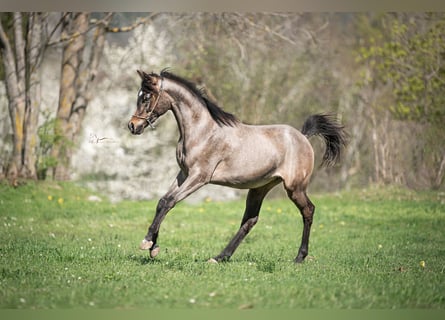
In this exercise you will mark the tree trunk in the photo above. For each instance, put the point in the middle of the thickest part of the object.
(22, 78)
(14, 65)
(440, 174)
(33, 95)
(76, 25)
(78, 72)
(87, 74)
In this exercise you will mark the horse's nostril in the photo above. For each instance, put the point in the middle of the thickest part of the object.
(131, 127)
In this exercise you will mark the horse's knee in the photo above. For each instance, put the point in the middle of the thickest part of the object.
(248, 225)
(308, 211)
(165, 204)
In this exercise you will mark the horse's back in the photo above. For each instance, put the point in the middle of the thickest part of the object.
(256, 155)
(283, 140)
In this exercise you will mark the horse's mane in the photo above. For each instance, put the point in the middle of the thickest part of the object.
(218, 114)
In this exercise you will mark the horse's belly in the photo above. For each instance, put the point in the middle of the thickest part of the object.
(245, 176)
(244, 184)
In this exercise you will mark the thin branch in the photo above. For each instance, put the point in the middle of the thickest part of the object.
(56, 27)
(71, 37)
(105, 21)
(138, 22)
(267, 29)
(4, 40)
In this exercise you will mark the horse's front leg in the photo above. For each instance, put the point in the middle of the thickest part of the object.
(179, 190)
(165, 204)
(149, 241)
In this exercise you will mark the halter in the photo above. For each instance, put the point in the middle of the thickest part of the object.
(154, 107)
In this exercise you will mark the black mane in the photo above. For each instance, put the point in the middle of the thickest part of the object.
(219, 115)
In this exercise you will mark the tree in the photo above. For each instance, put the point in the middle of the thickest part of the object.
(23, 40)
(21, 50)
(406, 59)
(75, 78)
(411, 60)
(84, 41)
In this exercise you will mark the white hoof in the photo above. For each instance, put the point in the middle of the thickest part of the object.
(211, 260)
(154, 252)
(146, 245)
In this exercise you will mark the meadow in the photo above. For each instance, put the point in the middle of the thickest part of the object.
(377, 248)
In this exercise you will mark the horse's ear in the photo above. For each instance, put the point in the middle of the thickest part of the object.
(141, 74)
(150, 80)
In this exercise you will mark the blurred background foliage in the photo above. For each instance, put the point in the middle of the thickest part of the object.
(383, 74)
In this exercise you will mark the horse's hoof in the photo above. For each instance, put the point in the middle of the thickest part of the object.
(154, 252)
(212, 260)
(146, 245)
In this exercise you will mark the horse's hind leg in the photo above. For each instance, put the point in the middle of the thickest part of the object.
(253, 205)
(307, 209)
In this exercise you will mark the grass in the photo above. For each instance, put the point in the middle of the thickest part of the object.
(374, 248)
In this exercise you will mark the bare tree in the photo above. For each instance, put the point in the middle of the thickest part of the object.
(23, 40)
(21, 55)
(71, 110)
(402, 57)
(84, 40)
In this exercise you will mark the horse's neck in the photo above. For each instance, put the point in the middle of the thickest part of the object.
(191, 116)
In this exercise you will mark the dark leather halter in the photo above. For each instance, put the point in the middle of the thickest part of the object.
(146, 118)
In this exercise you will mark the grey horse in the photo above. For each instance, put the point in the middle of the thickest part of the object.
(215, 147)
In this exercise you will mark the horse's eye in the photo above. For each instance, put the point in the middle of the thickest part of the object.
(144, 97)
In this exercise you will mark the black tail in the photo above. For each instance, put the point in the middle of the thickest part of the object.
(332, 132)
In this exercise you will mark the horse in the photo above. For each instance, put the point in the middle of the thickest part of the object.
(215, 147)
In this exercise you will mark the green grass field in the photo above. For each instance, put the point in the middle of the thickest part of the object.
(375, 248)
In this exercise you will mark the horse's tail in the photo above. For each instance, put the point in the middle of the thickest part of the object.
(332, 132)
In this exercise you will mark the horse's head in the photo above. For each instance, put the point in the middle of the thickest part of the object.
(152, 102)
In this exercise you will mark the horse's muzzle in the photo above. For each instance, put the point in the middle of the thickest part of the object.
(136, 128)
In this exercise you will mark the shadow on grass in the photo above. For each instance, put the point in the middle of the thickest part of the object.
(142, 260)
